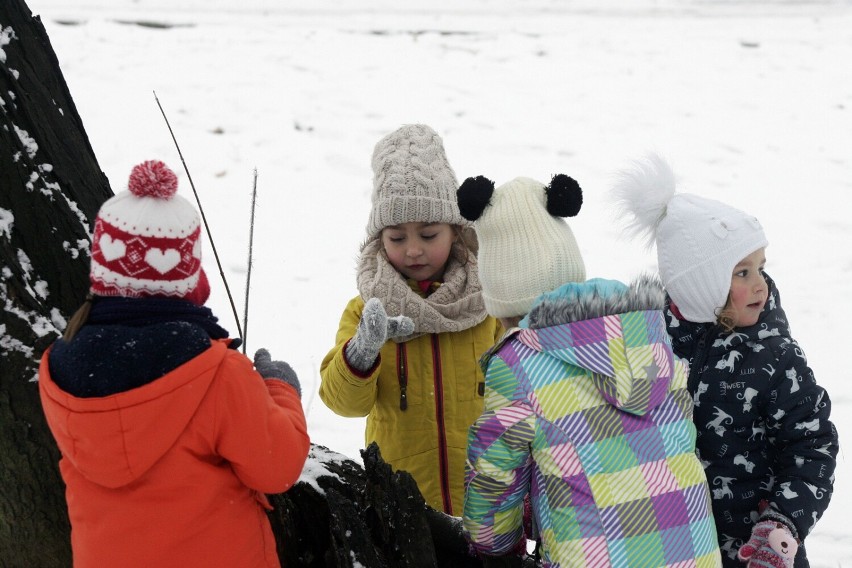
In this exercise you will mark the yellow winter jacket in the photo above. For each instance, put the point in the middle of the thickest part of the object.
(437, 379)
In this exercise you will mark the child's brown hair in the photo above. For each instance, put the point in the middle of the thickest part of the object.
(78, 320)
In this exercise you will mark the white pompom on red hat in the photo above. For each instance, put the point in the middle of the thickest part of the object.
(147, 241)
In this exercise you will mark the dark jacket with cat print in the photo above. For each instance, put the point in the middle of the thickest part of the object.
(764, 433)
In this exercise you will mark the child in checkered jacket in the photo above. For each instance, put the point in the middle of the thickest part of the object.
(586, 407)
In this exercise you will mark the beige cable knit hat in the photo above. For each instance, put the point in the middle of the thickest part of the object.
(412, 181)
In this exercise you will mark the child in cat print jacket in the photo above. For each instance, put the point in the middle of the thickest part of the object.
(763, 423)
(764, 434)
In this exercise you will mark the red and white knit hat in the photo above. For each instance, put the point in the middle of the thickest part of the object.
(147, 241)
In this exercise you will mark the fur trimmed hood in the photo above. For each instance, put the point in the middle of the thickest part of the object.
(595, 298)
(610, 332)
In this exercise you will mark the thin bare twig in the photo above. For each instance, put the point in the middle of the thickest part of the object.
(250, 261)
(203, 218)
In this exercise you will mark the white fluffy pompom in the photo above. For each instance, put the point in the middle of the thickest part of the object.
(641, 194)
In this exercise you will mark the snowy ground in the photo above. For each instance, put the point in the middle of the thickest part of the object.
(751, 101)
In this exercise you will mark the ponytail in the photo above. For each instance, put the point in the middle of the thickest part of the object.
(79, 319)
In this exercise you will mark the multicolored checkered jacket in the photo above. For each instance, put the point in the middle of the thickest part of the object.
(586, 410)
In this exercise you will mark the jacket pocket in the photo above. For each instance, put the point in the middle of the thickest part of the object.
(471, 382)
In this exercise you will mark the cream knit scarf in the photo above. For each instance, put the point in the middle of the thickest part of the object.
(455, 306)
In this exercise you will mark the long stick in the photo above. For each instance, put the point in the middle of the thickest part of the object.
(248, 272)
(203, 218)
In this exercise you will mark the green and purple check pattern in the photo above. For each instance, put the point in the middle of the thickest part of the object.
(594, 421)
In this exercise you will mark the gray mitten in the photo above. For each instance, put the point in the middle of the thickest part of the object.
(374, 329)
(279, 370)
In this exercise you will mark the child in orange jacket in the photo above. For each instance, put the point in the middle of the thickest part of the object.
(169, 437)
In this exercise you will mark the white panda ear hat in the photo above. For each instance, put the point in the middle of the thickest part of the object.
(525, 247)
(699, 241)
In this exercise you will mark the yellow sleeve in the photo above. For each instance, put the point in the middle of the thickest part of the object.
(345, 390)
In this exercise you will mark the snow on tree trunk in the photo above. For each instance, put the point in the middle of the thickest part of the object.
(50, 187)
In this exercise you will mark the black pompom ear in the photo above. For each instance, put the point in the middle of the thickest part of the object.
(564, 196)
(473, 196)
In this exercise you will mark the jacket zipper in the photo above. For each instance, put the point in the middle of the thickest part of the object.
(402, 375)
(701, 353)
(443, 460)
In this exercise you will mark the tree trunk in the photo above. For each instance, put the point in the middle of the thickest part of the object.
(50, 187)
(341, 513)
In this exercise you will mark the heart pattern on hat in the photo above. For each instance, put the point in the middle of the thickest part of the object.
(146, 241)
(112, 249)
(162, 260)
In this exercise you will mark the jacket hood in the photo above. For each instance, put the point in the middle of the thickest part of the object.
(614, 332)
(113, 440)
(595, 298)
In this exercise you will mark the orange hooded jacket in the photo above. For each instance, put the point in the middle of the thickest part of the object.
(173, 473)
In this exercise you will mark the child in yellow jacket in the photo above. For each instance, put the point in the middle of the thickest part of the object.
(407, 347)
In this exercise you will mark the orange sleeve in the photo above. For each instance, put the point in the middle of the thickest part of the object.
(260, 426)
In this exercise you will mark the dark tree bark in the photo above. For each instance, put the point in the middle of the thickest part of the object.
(50, 187)
(369, 514)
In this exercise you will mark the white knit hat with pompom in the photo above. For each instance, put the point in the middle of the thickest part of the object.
(699, 241)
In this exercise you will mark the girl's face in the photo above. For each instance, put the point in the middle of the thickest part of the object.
(419, 250)
(748, 289)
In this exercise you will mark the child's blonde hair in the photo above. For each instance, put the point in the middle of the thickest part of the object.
(467, 238)
(727, 317)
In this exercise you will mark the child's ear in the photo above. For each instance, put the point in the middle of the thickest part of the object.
(473, 196)
(564, 196)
